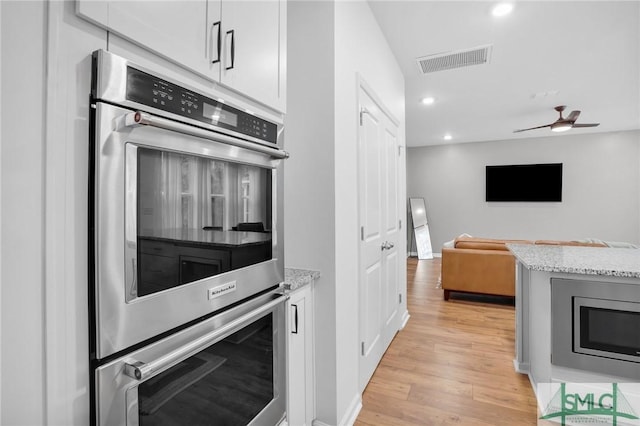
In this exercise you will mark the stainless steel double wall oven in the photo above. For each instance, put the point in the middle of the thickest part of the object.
(186, 259)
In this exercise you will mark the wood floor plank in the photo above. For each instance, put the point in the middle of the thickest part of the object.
(451, 364)
(505, 398)
(410, 413)
(388, 386)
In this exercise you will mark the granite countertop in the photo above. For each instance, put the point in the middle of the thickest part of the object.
(296, 278)
(616, 262)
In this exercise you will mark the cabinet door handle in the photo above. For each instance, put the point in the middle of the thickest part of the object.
(233, 49)
(295, 319)
(219, 40)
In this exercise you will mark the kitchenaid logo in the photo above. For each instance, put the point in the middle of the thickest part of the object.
(221, 290)
(590, 403)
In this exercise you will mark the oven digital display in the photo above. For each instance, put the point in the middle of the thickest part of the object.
(218, 115)
(161, 94)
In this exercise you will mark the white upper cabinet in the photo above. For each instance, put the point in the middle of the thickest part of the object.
(240, 44)
(176, 30)
(252, 52)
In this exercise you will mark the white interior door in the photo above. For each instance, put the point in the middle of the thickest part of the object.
(379, 261)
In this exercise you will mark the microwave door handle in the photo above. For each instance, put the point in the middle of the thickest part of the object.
(142, 118)
(142, 371)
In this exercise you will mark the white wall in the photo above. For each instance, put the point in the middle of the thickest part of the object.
(600, 194)
(309, 176)
(361, 49)
(22, 213)
(329, 44)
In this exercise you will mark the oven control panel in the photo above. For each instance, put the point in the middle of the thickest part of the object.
(158, 93)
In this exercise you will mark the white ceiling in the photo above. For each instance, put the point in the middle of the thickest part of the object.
(587, 51)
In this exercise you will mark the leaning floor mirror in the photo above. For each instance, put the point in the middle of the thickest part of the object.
(421, 235)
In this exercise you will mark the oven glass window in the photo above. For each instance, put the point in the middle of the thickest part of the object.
(610, 330)
(228, 383)
(198, 217)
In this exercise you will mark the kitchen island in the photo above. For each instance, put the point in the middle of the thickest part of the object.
(554, 285)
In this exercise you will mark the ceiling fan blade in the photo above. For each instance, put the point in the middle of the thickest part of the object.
(573, 116)
(585, 124)
(531, 128)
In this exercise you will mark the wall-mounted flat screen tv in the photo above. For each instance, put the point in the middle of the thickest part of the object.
(524, 182)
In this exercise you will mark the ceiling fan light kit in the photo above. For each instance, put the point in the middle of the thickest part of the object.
(560, 127)
(562, 124)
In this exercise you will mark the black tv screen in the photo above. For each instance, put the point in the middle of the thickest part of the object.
(524, 182)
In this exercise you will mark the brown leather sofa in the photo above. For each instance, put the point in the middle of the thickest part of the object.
(485, 266)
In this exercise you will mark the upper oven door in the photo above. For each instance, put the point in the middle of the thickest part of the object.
(184, 225)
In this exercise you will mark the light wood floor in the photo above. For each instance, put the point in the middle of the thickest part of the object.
(451, 364)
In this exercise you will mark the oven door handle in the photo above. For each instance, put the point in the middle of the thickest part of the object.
(139, 117)
(142, 371)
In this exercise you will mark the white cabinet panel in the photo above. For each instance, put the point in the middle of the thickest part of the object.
(300, 406)
(252, 66)
(178, 31)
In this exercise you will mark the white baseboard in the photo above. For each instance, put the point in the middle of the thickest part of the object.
(415, 254)
(350, 415)
(405, 319)
(521, 367)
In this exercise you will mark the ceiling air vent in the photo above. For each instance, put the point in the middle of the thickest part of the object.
(449, 60)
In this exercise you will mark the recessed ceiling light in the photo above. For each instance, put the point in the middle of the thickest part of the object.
(448, 137)
(502, 9)
(428, 100)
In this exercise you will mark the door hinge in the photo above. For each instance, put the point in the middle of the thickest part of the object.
(363, 111)
(400, 298)
(362, 233)
(362, 348)
(399, 150)
(400, 224)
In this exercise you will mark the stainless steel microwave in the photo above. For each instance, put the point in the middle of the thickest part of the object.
(596, 326)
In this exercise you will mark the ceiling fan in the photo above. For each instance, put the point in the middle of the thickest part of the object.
(562, 124)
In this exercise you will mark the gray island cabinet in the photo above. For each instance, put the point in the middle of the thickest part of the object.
(577, 313)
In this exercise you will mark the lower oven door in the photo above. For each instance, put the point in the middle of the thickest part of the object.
(226, 370)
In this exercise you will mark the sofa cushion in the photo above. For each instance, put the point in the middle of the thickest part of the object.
(569, 243)
(485, 243)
